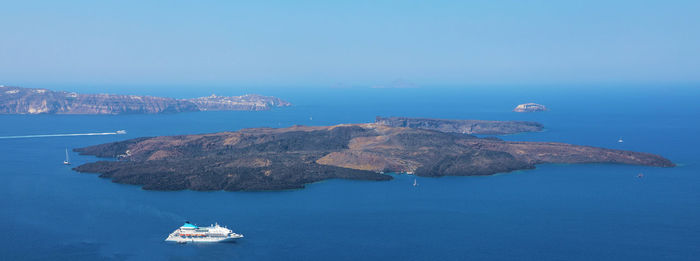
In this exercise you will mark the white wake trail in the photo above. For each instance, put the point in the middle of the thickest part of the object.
(59, 135)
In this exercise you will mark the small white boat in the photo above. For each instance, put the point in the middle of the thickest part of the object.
(121, 132)
(67, 161)
(620, 140)
(415, 182)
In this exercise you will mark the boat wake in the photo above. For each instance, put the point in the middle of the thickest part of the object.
(63, 135)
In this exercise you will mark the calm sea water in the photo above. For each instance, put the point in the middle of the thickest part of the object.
(555, 212)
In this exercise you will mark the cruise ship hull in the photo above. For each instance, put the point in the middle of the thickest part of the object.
(190, 233)
(177, 239)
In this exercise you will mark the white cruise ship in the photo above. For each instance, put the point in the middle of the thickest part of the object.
(191, 233)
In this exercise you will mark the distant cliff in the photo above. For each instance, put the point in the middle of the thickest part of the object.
(462, 126)
(16, 100)
(271, 159)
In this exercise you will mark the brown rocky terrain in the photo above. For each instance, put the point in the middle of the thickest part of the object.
(270, 159)
(16, 100)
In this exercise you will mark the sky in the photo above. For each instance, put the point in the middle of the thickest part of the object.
(348, 43)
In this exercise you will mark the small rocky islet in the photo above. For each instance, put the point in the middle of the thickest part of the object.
(529, 107)
(289, 158)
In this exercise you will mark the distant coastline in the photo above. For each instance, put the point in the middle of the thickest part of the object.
(18, 100)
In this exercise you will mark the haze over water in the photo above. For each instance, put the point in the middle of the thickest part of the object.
(605, 69)
(555, 212)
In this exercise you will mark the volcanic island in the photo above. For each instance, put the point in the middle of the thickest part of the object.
(288, 158)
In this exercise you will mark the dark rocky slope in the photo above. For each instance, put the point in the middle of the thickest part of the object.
(462, 126)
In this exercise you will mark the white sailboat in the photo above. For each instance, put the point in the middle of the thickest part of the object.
(67, 161)
(415, 182)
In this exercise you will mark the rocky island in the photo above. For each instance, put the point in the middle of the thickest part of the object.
(288, 158)
(530, 107)
(16, 100)
(462, 126)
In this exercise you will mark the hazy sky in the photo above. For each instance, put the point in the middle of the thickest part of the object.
(326, 43)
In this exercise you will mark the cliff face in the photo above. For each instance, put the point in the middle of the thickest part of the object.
(15, 100)
(462, 126)
(251, 102)
(268, 159)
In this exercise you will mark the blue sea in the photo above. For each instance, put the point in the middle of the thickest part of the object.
(553, 212)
